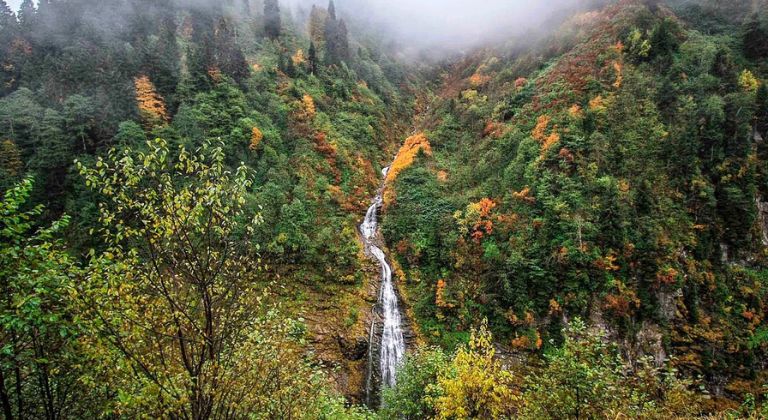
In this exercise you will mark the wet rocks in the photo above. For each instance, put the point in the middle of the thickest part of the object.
(353, 349)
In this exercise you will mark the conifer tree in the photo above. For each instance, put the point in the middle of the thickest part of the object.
(755, 38)
(342, 41)
(26, 13)
(8, 31)
(316, 26)
(331, 11)
(229, 58)
(761, 110)
(272, 23)
(336, 42)
(7, 18)
(312, 58)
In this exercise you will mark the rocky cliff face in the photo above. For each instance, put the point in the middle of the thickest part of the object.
(762, 217)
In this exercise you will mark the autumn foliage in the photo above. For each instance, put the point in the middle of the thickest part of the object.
(256, 137)
(407, 154)
(440, 296)
(540, 134)
(151, 104)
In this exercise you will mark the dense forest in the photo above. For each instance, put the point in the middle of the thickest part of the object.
(575, 218)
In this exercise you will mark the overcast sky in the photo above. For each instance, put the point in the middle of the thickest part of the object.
(457, 20)
(14, 4)
(451, 22)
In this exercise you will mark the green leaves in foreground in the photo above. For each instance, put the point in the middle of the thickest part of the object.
(41, 358)
(184, 327)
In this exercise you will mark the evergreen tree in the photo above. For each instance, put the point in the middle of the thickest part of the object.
(290, 68)
(7, 18)
(331, 11)
(316, 27)
(26, 14)
(165, 66)
(755, 38)
(724, 68)
(336, 38)
(272, 24)
(342, 41)
(229, 58)
(8, 31)
(11, 164)
(312, 59)
(664, 39)
(761, 110)
(201, 54)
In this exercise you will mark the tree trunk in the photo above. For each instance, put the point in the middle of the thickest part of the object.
(4, 399)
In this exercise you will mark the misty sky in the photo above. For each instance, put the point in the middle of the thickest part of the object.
(441, 22)
(457, 21)
(14, 4)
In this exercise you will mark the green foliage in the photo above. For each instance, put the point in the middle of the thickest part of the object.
(177, 227)
(622, 168)
(272, 21)
(412, 397)
(586, 378)
(41, 354)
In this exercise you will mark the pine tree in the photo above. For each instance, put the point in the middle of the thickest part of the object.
(331, 11)
(8, 31)
(664, 39)
(7, 18)
(272, 18)
(336, 42)
(201, 54)
(26, 13)
(167, 73)
(290, 68)
(312, 58)
(755, 38)
(316, 27)
(229, 58)
(761, 110)
(342, 41)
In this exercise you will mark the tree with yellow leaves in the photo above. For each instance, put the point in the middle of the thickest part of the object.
(309, 106)
(256, 137)
(151, 104)
(407, 153)
(10, 159)
(748, 82)
(475, 386)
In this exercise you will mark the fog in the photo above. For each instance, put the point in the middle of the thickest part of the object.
(439, 27)
(435, 24)
(456, 23)
(14, 4)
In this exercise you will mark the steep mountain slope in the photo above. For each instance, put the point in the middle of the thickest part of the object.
(610, 172)
(183, 182)
(309, 110)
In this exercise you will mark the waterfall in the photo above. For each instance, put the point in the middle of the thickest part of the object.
(392, 347)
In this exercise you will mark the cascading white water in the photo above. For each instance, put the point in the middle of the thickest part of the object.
(392, 349)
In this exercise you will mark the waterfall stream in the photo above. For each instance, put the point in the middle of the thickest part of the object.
(392, 347)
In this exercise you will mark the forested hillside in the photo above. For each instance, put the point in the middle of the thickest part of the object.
(576, 218)
(160, 260)
(616, 172)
